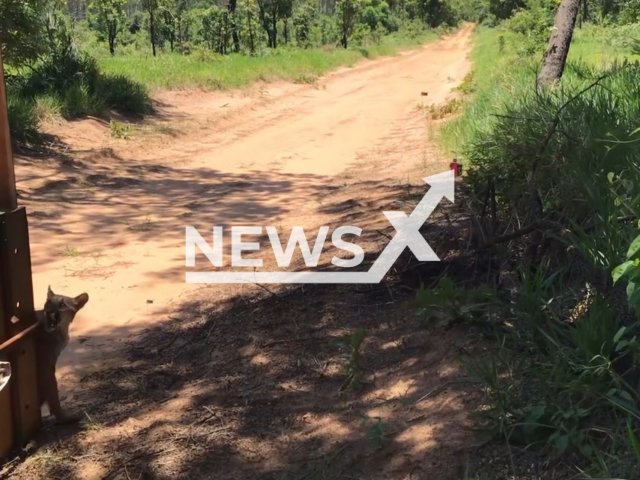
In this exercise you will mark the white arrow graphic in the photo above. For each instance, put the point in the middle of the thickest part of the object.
(407, 235)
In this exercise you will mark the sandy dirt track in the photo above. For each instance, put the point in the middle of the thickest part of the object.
(108, 216)
(253, 161)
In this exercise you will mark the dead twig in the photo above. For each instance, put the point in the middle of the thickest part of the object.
(286, 340)
(439, 389)
(139, 456)
(188, 436)
(268, 290)
(104, 122)
(504, 238)
(439, 359)
(318, 457)
(206, 340)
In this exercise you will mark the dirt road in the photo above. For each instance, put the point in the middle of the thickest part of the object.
(109, 216)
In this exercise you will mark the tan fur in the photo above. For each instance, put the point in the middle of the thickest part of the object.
(52, 337)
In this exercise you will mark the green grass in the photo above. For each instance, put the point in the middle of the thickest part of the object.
(501, 74)
(492, 80)
(23, 119)
(208, 70)
(599, 45)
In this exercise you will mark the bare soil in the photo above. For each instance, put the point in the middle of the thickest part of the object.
(248, 381)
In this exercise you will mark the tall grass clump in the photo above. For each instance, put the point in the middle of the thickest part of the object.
(75, 79)
(23, 120)
(68, 83)
(564, 386)
(582, 173)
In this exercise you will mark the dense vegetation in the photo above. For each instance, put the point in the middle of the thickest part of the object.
(562, 167)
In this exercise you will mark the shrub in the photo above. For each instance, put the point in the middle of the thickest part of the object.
(123, 95)
(23, 123)
(573, 170)
(69, 83)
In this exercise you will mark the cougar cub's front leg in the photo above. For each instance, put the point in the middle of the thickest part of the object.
(52, 397)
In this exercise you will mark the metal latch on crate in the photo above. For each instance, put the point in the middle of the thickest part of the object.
(5, 374)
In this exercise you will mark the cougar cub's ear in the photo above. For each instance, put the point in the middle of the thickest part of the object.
(81, 300)
(50, 293)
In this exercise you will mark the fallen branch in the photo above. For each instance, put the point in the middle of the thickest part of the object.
(508, 237)
(496, 241)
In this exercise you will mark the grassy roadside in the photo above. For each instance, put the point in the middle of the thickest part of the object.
(500, 74)
(562, 380)
(207, 70)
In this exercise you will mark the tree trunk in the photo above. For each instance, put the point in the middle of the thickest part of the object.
(556, 55)
(269, 24)
(274, 30)
(112, 39)
(252, 48)
(234, 25)
(152, 31)
(286, 31)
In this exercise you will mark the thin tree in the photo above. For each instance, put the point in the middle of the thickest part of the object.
(110, 18)
(268, 11)
(231, 7)
(152, 6)
(555, 57)
(347, 12)
(252, 47)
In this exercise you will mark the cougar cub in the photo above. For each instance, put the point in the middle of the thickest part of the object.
(52, 336)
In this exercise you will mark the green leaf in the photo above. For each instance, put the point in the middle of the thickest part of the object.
(610, 177)
(582, 412)
(634, 440)
(634, 248)
(619, 334)
(628, 185)
(531, 423)
(626, 395)
(628, 407)
(562, 442)
(633, 293)
(537, 412)
(622, 270)
(623, 344)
